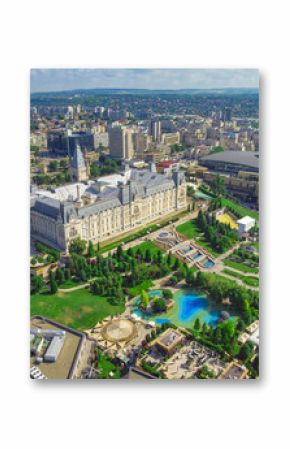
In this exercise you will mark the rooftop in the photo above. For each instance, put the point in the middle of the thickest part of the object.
(68, 355)
(246, 220)
(246, 158)
(104, 193)
(169, 339)
(234, 371)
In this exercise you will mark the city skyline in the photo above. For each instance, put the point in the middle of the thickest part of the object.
(144, 223)
(52, 80)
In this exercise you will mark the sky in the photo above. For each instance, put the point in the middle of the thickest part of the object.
(49, 80)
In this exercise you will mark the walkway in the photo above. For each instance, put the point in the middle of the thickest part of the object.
(78, 287)
(239, 281)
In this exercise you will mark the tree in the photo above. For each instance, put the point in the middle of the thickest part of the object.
(167, 293)
(53, 166)
(246, 311)
(174, 280)
(159, 305)
(63, 163)
(91, 249)
(59, 276)
(228, 329)
(159, 257)
(77, 246)
(148, 255)
(176, 265)
(196, 325)
(246, 351)
(144, 299)
(119, 252)
(33, 261)
(217, 335)
(218, 185)
(50, 258)
(53, 286)
(36, 284)
(95, 170)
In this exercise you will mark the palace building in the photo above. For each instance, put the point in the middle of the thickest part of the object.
(101, 209)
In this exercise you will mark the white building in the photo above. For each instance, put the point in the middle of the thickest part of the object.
(245, 224)
(102, 209)
(54, 349)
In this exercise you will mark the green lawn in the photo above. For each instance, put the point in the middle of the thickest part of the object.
(79, 309)
(240, 210)
(144, 247)
(190, 230)
(240, 266)
(134, 291)
(255, 245)
(106, 367)
(70, 283)
(249, 280)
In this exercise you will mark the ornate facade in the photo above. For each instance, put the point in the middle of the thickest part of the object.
(103, 209)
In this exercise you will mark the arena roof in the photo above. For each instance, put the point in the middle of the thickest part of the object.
(246, 158)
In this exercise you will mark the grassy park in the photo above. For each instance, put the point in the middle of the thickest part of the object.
(71, 283)
(143, 247)
(249, 280)
(240, 266)
(79, 309)
(190, 230)
(106, 368)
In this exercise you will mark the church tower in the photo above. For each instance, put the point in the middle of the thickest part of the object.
(78, 168)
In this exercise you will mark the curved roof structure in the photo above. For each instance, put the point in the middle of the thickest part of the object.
(246, 159)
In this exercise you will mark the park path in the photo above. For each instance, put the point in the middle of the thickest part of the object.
(239, 281)
(77, 287)
(229, 252)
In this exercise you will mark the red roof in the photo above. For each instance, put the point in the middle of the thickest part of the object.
(166, 164)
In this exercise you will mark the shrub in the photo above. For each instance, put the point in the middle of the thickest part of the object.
(167, 293)
(159, 305)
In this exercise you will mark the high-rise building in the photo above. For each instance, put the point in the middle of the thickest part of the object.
(140, 142)
(70, 112)
(121, 143)
(171, 138)
(64, 142)
(227, 116)
(155, 130)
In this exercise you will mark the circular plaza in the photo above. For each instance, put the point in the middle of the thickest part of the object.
(119, 330)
